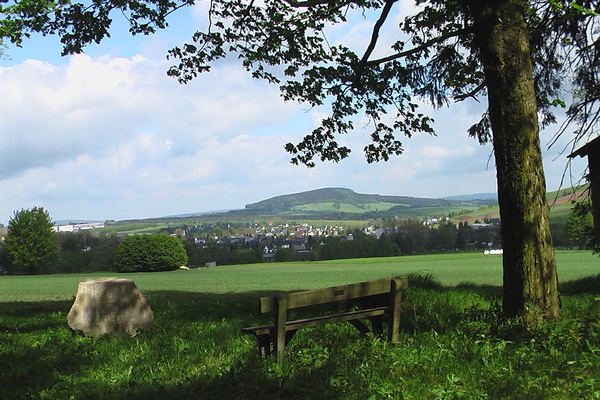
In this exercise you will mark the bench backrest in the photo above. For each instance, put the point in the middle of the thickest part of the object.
(333, 294)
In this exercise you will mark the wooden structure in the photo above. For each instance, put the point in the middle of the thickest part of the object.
(377, 301)
(592, 151)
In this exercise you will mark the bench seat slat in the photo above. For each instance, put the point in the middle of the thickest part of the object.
(322, 320)
(327, 295)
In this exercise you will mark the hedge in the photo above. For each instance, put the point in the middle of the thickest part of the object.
(150, 253)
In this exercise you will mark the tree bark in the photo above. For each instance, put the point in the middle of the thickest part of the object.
(530, 278)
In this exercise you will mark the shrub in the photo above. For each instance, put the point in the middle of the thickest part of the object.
(149, 253)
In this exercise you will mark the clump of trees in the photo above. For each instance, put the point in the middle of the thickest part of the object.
(150, 253)
(415, 238)
(86, 251)
(360, 246)
(198, 256)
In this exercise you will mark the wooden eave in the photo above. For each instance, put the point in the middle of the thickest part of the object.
(589, 148)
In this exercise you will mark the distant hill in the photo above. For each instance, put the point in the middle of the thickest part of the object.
(337, 204)
(339, 197)
(475, 196)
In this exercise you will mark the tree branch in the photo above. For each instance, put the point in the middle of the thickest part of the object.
(310, 3)
(374, 37)
(472, 93)
(417, 49)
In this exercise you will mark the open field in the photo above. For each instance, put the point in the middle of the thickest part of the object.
(559, 213)
(448, 269)
(454, 345)
(348, 208)
(560, 207)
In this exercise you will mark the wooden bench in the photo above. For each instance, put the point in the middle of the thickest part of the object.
(377, 301)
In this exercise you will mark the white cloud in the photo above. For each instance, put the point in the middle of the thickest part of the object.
(120, 122)
(439, 152)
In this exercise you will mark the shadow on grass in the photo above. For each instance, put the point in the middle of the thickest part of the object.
(30, 317)
(196, 349)
(41, 358)
(589, 284)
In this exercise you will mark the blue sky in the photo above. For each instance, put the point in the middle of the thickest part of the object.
(107, 135)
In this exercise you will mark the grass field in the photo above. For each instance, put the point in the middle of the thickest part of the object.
(448, 269)
(347, 208)
(560, 207)
(454, 344)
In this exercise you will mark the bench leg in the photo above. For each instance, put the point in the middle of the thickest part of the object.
(362, 328)
(264, 346)
(377, 326)
(280, 321)
(288, 336)
(265, 343)
(395, 300)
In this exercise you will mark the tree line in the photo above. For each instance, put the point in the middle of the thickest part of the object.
(32, 246)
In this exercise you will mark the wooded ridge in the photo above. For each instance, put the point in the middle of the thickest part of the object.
(348, 196)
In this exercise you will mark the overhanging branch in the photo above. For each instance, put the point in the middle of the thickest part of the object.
(311, 3)
(473, 93)
(422, 47)
(374, 38)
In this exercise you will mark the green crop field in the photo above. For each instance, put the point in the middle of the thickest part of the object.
(449, 269)
(560, 212)
(347, 208)
(454, 341)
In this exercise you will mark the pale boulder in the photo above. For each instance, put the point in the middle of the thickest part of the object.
(109, 306)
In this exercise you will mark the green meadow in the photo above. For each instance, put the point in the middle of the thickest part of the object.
(348, 208)
(454, 343)
(448, 269)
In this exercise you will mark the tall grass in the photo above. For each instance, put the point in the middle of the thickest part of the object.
(454, 345)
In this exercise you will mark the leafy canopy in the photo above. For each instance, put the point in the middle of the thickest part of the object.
(31, 242)
(81, 23)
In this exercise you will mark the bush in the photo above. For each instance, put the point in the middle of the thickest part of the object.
(150, 253)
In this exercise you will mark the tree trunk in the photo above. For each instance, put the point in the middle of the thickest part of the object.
(530, 279)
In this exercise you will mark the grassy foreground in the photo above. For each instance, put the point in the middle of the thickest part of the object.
(453, 345)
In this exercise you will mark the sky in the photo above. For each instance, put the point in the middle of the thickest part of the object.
(108, 135)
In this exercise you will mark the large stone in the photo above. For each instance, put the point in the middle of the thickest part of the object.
(109, 306)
